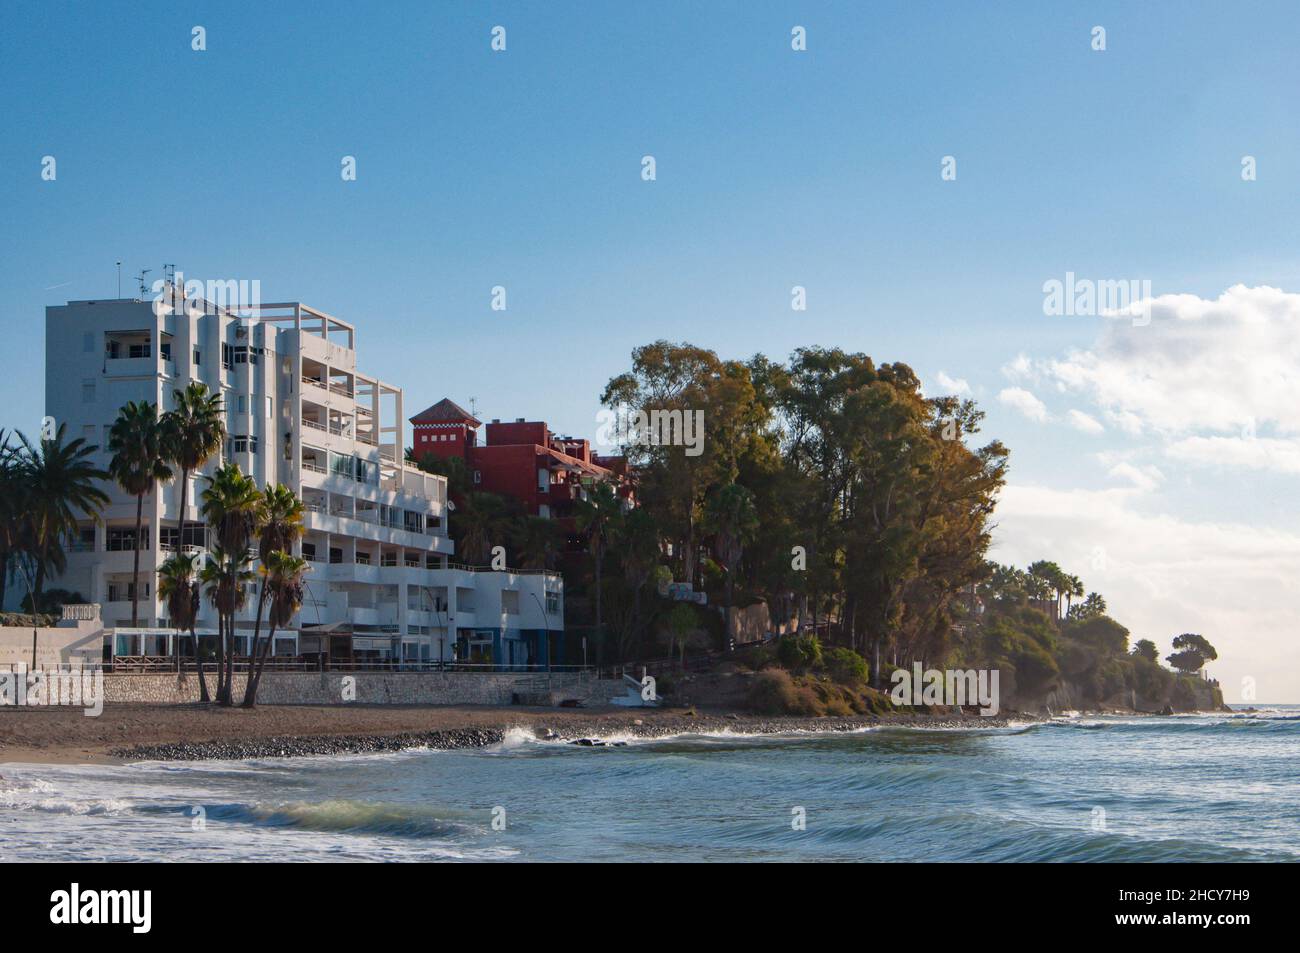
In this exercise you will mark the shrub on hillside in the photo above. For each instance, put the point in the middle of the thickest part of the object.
(773, 693)
(799, 652)
(847, 666)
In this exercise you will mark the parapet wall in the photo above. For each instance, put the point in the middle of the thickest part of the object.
(365, 688)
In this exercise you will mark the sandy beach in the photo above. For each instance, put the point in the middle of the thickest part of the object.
(66, 736)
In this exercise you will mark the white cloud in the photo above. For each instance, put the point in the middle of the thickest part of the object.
(1022, 368)
(1253, 453)
(1085, 422)
(1236, 584)
(1200, 366)
(957, 386)
(1026, 403)
(1142, 478)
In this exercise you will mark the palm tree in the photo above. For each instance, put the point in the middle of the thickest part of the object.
(538, 542)
(480, 518)
(730, 515)
(279, 528)
(12, 492)
(138, 464)
(225, 578)
(282, 575)
(61, 483)
(1075, 591)
(178, 588)
(596, 513)
(232, 506)
(192, 434)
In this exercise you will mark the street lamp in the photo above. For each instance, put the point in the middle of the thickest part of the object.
(546, 622)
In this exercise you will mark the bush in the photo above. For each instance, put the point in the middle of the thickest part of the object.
(773, 693)
(847, 667)
(799, 652)
(756, 659)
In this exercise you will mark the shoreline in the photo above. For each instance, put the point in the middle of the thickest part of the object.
(128, 733)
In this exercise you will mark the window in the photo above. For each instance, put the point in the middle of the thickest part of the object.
(363, 559)
(413, 522)
(309, 552)
(388, 558)
(227, 356)
(243, 444)
(432, 561)
(478, 476)
(125, 592)
(83, 540)
(88, 392)
(198, 358)
(510, 602)
(243, 404)
(165, 349)
(336, 554)
(367, 472)
(195, 535)
(543, 479)
(139, 350)
(342, 465)
(552, 602)
(123, 540)
(432, 523)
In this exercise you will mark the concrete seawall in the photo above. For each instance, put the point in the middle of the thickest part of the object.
(366, 688)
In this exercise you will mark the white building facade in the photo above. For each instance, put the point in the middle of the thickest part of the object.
(383, 584)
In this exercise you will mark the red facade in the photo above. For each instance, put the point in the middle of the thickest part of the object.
(523, 460)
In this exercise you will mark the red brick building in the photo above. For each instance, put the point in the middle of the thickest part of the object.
(523, 459)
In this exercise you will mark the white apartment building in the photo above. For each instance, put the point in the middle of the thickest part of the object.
(298, 411)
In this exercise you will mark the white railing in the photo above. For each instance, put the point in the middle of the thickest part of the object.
(81, 612)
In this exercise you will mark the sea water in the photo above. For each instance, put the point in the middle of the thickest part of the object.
(1080, 788)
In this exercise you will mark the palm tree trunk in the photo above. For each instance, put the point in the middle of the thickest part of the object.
(221, 657)
(180, 547)
(198, 664)
(255, 678)
(135, 572)
(230, 661)
(40, 580)
(250, 685)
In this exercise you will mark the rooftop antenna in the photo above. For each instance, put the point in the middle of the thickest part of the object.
(473, 406)
(143, 272)
(119, 279)
(169, 274)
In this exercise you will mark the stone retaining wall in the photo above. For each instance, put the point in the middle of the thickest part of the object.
(373, 688)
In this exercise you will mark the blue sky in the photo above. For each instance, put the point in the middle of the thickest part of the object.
(774, 169)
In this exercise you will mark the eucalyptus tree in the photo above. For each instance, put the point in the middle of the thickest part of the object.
(729, 514)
